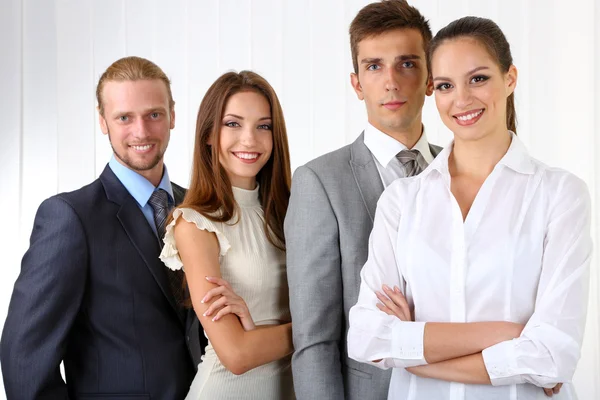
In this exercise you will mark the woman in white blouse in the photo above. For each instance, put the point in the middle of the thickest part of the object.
(485, 254)
(228, 236)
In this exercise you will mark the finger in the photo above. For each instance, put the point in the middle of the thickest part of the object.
(385, 309)
(217, 304)
(218, 281)
(556, 389)
(548, 392)
(222, 312)
(219, 290)
(399, 300)
(397, 311)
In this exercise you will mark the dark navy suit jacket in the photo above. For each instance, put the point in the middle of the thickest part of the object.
(93, 293)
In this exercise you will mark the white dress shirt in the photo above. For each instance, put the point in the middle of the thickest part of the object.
(384, 149)
(521, 255)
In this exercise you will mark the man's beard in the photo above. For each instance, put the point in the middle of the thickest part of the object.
(136, 166)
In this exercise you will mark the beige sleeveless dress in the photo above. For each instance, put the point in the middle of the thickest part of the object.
(256, 271)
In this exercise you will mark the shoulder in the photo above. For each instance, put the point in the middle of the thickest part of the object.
(77, 201)
(563, 187)
(328, 170)
(334, 159)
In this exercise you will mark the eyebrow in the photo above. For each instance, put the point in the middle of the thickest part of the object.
(242, 118)
(471, 72)
(403, 57)
(118, 113)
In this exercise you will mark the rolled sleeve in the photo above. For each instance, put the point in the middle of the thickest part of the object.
(549, 348)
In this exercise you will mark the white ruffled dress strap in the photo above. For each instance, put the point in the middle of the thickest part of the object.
(169, 255)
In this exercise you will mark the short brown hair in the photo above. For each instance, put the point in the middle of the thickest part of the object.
(132, 69)
(386, 15)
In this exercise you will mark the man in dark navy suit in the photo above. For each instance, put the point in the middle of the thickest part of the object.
(92, 292)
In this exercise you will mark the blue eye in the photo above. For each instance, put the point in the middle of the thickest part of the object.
(123, 118)
(154, 115)
(408, 64)
(373, 67)
(232, 124)
(265, 127)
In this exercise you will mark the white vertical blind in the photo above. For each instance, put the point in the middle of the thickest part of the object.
(55, 50)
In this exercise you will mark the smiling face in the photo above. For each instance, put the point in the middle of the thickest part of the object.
(246, 139)
(138, 121)
(470, 89)
(392, 80)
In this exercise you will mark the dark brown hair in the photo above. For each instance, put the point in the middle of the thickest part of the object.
(132, 69)
(386, 15)
(489, 34)
(210, 190)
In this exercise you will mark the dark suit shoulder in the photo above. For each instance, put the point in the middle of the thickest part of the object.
(82, 197)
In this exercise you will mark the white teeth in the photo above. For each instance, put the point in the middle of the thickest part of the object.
(142, 148)
(469, 117)
(247, 156)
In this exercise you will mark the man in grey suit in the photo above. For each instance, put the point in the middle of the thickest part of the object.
(333, 200)
(92, 291)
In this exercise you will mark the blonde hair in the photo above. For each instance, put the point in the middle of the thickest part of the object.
(132, 69)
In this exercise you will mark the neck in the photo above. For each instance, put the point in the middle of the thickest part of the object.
(153, 175)
(477, 158)
(408, 137)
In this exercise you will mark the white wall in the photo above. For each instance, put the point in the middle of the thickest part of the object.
(53, 52)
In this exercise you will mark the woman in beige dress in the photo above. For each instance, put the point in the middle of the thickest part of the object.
(227, 235)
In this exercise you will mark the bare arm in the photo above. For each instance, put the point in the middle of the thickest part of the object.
(238, 350)
(446, 340)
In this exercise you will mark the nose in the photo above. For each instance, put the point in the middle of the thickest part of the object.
(391, 81)
(140, 129)
(463, 97)
(248, 137)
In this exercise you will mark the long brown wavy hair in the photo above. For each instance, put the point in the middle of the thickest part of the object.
(210, 190)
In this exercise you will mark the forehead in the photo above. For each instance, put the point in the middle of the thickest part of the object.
(135, 95)
(394, 42)
(248, 102)
(460, 55)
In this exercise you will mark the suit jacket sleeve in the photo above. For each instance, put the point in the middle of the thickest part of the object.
(315, 281)
(45, 301)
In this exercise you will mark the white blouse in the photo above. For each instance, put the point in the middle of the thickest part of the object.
(522, 255)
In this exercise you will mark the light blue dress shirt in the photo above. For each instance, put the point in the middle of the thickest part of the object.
(141, 189)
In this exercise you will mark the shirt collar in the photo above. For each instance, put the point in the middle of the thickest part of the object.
(384, 147)
(139, 187)
(516, 158)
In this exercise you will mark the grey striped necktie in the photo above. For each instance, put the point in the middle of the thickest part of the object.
(413, 161)
(159, 201)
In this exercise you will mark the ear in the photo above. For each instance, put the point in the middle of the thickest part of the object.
(511, 80)
(172, 112)
(356, 86)
(103, 124)
(429, 89)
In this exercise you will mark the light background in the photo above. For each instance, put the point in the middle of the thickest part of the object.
(52, 53)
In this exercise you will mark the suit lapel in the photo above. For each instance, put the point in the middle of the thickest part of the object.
(366, 174)
(141, 235)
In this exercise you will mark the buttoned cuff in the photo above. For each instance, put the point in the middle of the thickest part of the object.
(501, 364)
(407, 344)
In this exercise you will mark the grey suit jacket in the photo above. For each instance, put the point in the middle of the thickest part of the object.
(327, 228)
